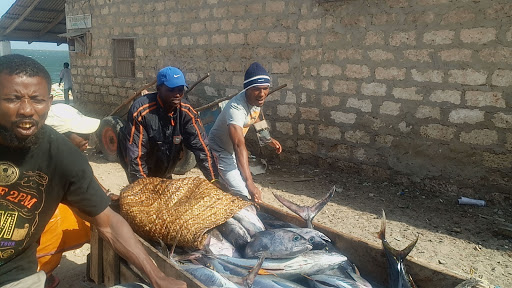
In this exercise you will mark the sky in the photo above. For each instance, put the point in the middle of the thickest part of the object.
(4, 6)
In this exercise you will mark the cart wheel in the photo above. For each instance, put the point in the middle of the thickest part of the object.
(107, 137)
(186, 163)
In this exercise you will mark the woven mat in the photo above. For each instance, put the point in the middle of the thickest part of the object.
(183, 209)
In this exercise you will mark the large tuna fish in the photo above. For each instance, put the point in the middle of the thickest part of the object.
(317, 239)
(249, 220)
(398, 276)
(331, 281)
(308, 263)
(235, 233)
(277, 243)
(207, 276)
(307, 213)
(216, 244)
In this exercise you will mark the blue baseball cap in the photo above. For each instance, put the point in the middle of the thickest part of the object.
(171, 77)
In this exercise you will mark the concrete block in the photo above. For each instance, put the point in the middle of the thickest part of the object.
(427, 75)
(403, 38)
(428, 112)
(391, 73)
(467, 77)
(284, 127)
(309, 113)
(481, 99)
(329, 70)
(380, 55)
(478, 35)
(329, 132)
(502, 120)
(363, 105)
(341, 117)
(502, 78)
(287, 111)
(457, 54)
(373, 89)
(390, 108)
(374, 37)
(348, 87)
(357, 71)
(440, 37)
(469, 116)
(407, 93)
(357, 136)
(451, 96)
(479, 137)
(437, 131)
(422, 55)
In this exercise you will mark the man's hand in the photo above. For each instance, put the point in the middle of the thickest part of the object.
(274, 143)
(255, 192)
(168, 282)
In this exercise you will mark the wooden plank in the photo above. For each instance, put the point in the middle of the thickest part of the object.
(128, 275)
(110, 265)
(170, 268)
(96, 259)
(369, 257)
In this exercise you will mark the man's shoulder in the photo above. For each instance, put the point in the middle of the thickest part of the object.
(144, 100)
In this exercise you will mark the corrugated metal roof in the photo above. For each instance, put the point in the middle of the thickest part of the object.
(34, 21)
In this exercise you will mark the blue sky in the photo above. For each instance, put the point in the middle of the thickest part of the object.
(4, 6)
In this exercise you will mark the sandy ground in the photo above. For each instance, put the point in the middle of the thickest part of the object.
(457, 237)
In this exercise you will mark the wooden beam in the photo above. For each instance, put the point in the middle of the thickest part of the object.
(51, 25)
(23, 16)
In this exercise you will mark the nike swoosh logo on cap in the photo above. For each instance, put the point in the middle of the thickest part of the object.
(176, 76)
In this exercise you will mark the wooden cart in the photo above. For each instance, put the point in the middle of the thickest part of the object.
(105, 266)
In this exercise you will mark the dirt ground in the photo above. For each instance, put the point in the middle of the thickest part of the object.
(461, 238)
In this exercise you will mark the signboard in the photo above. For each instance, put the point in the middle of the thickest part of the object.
(78, 21)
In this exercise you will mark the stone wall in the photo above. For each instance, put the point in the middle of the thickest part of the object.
(420, 88)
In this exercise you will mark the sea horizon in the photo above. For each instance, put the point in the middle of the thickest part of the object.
(52, 60)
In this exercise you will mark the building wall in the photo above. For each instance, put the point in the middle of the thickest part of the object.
(420, 88)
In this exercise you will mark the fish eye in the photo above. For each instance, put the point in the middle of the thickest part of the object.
(296, 238)
(311, 239)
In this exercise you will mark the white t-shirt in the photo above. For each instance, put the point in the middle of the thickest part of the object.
(237, 111)
(65, 75)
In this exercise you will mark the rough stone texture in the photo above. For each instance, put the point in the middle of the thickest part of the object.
(423, 73)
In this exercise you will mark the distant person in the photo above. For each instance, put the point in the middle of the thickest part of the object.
(65, 75)
(227, 136)
(159, 125)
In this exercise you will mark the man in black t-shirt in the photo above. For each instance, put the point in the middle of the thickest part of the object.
(40, 168)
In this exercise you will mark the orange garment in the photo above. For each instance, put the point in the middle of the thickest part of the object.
(64, 232)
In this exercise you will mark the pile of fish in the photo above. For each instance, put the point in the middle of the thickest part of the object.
(253, 249)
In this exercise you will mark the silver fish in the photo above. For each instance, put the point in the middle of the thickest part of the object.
(331, 281)
(235, 233)
(277, 243)
(248, 218)
(207, 276)
(308, 263)
(307, 212)
(216, 244)
(272, 222)
(398, 276)
(316, 238)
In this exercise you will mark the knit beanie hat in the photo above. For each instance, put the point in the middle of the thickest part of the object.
(256, 75)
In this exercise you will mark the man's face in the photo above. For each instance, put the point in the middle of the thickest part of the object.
(256, 95)
(171, 97)
(24, 105)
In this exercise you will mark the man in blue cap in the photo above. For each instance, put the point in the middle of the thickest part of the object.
(159, 125)
(227, 136)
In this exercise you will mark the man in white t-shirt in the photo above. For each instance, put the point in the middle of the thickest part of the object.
(227, 136)
(65, 75)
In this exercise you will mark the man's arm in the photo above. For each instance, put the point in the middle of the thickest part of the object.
(196, 141)
(242, 160)
(113, 228)
(136, 143)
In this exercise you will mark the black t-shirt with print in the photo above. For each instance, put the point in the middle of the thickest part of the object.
(32, 184)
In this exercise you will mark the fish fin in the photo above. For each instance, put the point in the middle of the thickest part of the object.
(165, 249)
(382, 233)
(318, 206)
(265, 272)
(297, 209)
(249, 279)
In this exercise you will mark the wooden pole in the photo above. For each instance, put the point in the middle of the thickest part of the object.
(216, 102)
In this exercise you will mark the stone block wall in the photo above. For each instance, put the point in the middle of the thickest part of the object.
(420, 88)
